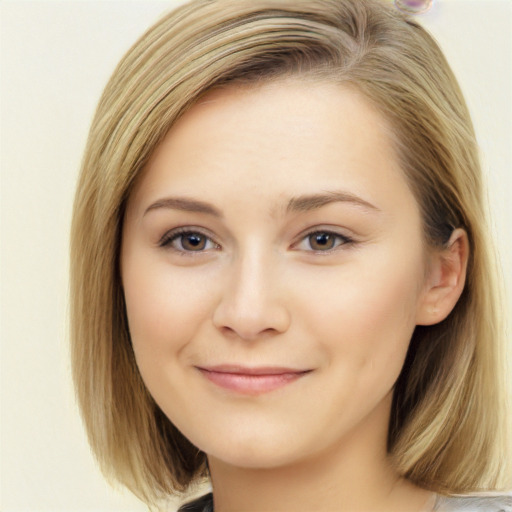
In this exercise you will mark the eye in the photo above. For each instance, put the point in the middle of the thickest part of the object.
(322, 241)
(186, 240)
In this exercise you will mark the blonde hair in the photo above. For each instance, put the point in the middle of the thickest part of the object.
(448, 424)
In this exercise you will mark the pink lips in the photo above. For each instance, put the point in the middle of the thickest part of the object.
(251, 381)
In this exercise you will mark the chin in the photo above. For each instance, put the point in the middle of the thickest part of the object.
(253, 458)
(256, 451)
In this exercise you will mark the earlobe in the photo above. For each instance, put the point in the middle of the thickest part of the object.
(445, 281)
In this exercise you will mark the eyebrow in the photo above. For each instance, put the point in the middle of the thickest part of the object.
(186, 205)
(314, 201)
(302, 203)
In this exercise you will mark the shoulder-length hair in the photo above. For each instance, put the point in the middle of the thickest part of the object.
(447, 430)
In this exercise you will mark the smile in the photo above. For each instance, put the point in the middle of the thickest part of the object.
(251, 381)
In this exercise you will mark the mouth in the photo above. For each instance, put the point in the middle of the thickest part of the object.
(251, 380)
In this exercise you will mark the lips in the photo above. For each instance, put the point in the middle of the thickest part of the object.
(251, 380)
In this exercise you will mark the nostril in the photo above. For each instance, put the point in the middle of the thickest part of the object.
(227, 331)
(251, 325)
(247, 333)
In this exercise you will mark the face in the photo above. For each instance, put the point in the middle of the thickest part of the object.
(273, 269)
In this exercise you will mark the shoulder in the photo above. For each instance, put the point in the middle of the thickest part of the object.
(501, 503)
(202, 504)
(494, 503)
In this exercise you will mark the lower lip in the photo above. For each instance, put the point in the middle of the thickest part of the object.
(248, 384)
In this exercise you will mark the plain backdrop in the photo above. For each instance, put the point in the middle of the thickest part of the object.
(56, 56)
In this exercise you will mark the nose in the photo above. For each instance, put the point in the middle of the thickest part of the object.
(252, 304)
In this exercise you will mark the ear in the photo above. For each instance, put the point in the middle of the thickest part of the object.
(445, 280)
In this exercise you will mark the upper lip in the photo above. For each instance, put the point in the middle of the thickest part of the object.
(252, 370)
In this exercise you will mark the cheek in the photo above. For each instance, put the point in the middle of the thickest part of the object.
(367, 318)
(367, 294)
(164, 308)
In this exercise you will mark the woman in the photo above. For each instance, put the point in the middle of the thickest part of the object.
(281, 276)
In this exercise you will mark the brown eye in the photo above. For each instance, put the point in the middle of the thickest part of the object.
(322, 241)
(192, 241)
(188, 241)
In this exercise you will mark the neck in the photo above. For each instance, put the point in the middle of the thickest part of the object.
(354, 476)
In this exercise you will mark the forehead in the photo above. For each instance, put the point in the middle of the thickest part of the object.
(286, 117)
(273, 141)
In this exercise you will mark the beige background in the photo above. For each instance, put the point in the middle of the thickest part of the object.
(55, 58)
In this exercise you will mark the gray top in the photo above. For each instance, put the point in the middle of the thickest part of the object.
(443, 504)
(474, 504)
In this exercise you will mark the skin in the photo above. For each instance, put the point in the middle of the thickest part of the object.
(254, 288)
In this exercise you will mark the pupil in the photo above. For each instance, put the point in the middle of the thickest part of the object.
(193, 241)
(321, 241)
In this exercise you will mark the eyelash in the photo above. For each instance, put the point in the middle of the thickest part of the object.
(171, 236)
(342, 239)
